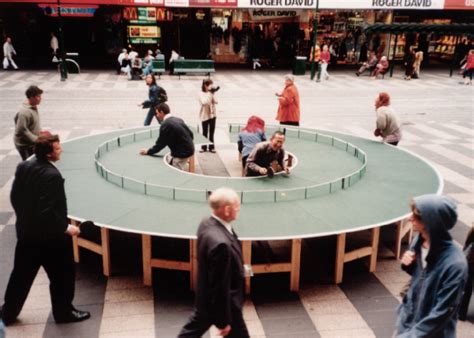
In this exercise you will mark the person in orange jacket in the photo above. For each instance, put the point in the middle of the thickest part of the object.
(289, 103)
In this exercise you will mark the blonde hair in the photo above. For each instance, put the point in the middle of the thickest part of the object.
(222, 197)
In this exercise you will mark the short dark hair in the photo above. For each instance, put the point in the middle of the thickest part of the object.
(33, 91)
(205, 83)
(44, 145)
(278, 133)
(163, 107)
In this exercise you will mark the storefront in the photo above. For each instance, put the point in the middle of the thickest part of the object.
(229, 31)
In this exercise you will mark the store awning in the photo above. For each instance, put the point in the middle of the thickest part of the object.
(406, 28)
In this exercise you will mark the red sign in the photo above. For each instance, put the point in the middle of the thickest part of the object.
(459, 4)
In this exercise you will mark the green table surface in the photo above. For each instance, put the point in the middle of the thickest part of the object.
(393, 176)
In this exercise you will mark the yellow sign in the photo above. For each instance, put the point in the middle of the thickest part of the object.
(144, 32)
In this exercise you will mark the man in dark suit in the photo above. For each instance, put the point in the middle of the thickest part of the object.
(175, 134)
(44, 235)
(220, 286)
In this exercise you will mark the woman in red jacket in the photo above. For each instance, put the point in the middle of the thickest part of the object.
(289, 103)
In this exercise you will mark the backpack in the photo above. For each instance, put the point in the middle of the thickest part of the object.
(162, 96)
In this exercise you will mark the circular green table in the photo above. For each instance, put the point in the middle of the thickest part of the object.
(338, 184)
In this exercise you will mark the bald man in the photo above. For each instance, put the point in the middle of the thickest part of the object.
(220, 286)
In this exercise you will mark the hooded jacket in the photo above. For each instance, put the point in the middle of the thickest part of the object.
(430, 306)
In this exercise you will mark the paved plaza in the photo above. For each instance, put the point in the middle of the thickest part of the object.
(438, 124)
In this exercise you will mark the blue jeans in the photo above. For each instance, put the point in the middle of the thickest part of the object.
(149, 117)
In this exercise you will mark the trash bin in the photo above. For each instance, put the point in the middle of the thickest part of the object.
(300, 66)
(72, 63)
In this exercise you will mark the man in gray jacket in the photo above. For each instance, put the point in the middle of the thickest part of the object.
(27, 124)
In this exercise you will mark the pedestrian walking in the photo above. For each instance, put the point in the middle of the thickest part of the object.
(468, 68)
(207, 113)
(220, 284)
(315, 54)
(27, 123)
(156, 95)
(8, 52)
(438, 270)
(469, 252)
(325, 59)
(289, 103)
(409, 63)
(417, 64)
(44, 236)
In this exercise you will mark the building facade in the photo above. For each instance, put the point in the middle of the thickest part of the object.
(228, 31)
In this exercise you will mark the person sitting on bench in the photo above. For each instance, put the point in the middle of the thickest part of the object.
(381, 68)
(369, 65)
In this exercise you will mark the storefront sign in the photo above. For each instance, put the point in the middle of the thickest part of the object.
(143, 34)
(177, 3)
(146, 14)
(267, 15)
(264, 4)
(382, 4)
(69, 10)
(213, 3)
(144, 31)
(459, 4)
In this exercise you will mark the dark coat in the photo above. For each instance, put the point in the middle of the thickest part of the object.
(175, 134)
(220, 288)
(39, 201)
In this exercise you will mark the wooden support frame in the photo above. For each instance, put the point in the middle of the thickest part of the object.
(192, 164)
(293, 266)
(149, 262)
(343, 257)
(404, 227)
(102, 249)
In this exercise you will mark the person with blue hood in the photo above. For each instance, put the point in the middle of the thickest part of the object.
(438, 268)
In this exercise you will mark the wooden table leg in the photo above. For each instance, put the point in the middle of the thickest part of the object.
(192, 164)
(340, 252)
(105, 239)
(295, 264)
(247, 255)
(75, 243)
(146, 255)
(194, 264)
(375, 248)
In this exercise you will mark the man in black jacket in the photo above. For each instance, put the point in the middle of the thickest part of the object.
(44, 235)
(220, 286)
(175, 134)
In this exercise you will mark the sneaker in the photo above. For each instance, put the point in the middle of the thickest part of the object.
(357, 73)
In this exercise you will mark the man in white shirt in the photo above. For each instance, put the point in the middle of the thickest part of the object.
(8, 52)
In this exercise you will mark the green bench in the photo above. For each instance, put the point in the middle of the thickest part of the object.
(158, 67)
(184, 66)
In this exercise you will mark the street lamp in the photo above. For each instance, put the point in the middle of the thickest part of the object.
(315, 33)
(62, 53)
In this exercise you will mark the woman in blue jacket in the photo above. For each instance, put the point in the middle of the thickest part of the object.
(439, 272)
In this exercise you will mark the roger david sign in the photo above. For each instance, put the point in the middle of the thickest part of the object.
(277, 4)
(402, 3)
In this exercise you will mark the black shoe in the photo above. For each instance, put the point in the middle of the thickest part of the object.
(6, 321)
(73, 316)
